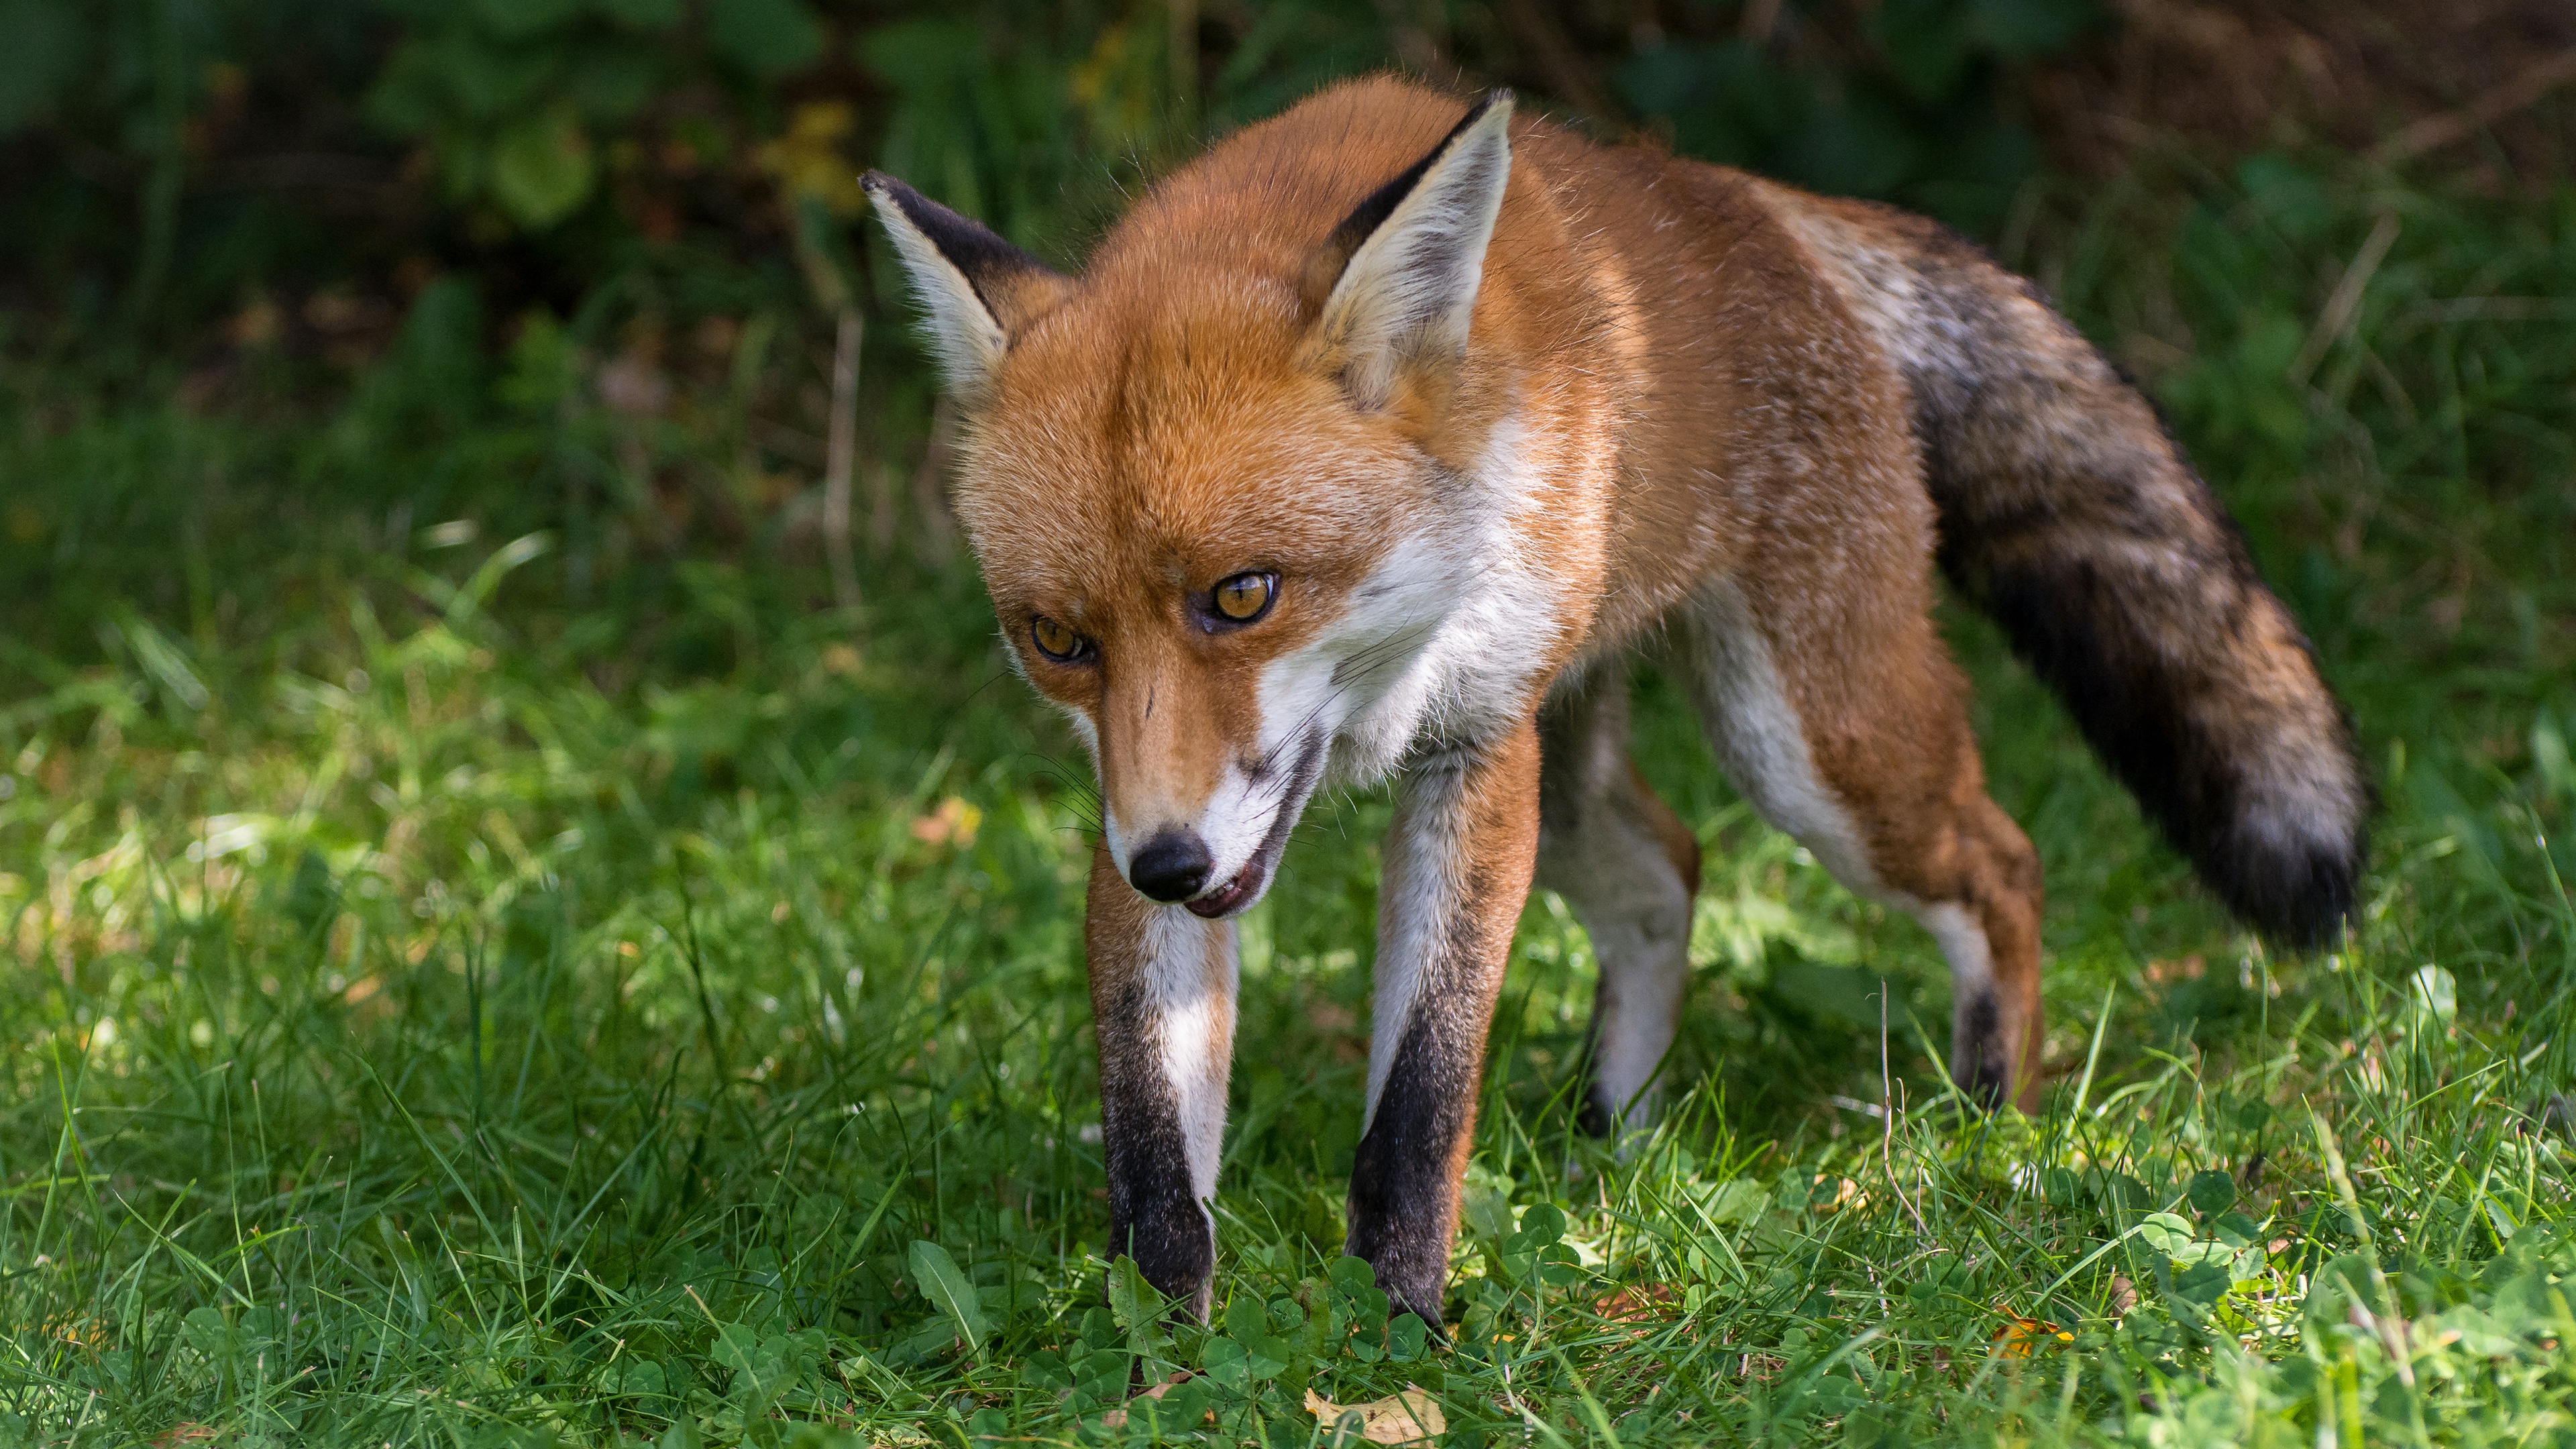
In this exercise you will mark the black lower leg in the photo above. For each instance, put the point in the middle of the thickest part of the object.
(1404, 1184)
(1153, 1216)
(1981, 1062)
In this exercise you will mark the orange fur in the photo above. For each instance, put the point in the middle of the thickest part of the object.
(1499, 409)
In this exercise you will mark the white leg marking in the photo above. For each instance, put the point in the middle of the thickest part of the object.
(1761, 742)
(1638, 915)
(1190, 985)
(1963, 945)
(1416, 910)
(1599, 849)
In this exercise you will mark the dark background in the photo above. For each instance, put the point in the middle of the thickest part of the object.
(529, 244)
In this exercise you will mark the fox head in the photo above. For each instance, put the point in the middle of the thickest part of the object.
(1217, 484)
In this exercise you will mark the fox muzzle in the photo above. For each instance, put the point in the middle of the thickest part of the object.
(1172, 866)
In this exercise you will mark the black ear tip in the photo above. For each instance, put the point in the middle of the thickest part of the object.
(893, 191)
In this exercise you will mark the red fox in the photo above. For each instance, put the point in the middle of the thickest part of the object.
(1378, 441)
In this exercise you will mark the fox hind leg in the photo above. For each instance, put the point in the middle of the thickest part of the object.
(1864, 754)
(1970, 876)
(1629, 868)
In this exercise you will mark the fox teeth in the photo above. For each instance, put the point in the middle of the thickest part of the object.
(1229, 895)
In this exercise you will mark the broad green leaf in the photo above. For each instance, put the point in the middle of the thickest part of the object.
(1741, 1200)
(490, 79)
(615, 81)
(1353, 1274)
(208, 1333)
(1406, 1337)
(2167, 1233)
(2211, 1193)
(1267, 1356)
(541, 169)
(944, 1283)
(1106, 1371)
(2205, 1251)
(1226, 1361)
(1543, 1224)
(312, 895)
(633, 1377)
(1136, 1305)
(2550, 757)
(2503, 1221)
(2202, 1283)
(1245, 1317)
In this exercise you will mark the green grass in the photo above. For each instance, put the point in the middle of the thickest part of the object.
(488, 992)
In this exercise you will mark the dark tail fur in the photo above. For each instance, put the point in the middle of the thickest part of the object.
(2069, 514)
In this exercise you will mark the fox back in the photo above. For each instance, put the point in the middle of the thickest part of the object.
(1380, 440)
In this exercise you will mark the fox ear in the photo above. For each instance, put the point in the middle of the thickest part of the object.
(1395, 284)
(976, 288)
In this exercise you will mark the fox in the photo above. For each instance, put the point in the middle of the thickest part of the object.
(1383, 442)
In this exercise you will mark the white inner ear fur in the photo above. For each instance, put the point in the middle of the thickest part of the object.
(962, 331)
(1408, 292)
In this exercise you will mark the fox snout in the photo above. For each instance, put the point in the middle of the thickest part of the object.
(1213, 860)
(1213, 855)
(1173, 866)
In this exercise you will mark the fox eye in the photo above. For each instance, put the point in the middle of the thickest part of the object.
(1246, 597)
(1057, 642)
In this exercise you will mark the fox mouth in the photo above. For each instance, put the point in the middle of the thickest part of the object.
(1247, 884)
(1237, 893)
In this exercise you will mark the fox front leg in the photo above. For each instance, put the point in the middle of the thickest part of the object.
(1162, 1002)
(1457, 871)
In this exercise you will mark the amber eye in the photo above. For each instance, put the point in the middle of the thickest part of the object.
(1246, 597)
(1056, 641)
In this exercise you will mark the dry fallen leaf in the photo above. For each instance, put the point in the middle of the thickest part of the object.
(2020, 1335)
(1847, 1194)
(2189, 968)
(1117, 1418)
(1636, 1303)
(1408, 1418)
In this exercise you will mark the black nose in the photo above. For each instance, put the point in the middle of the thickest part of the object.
(1172, 866)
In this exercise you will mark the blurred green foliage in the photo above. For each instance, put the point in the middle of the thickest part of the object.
(1912, 113)
(172, 158)
(545, 250)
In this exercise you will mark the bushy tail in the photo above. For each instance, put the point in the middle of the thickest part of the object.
(2069, 514)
